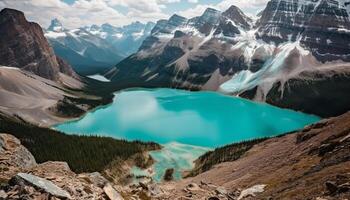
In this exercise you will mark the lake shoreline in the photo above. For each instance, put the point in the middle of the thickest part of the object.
(198, 119)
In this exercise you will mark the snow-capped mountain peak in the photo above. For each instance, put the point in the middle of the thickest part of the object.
(93, 48)
(56, 26)
(210, 16)
(291, 40)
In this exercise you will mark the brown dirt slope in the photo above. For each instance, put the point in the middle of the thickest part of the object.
(313, 163)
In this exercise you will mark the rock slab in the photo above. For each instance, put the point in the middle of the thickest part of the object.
(43, 184)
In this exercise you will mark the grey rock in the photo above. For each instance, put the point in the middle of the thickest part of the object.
(155, 190)
(143, 186)
(221, 190)
(252, 191)
(3, 194)
(112, 193)
(193, 187)
(2, 144)
(43, 184)
(97, 179)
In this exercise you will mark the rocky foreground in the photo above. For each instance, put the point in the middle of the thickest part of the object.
(22, 178)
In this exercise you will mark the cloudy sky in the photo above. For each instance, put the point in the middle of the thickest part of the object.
(76, 13)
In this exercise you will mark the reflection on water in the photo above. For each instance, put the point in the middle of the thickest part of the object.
(203, 119)
(197, 118)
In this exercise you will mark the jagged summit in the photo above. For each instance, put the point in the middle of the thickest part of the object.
(210, 16)
(177, 20)
(56, 26)
(236, 15)
(107, 25)
(108, 28)
(94, 27)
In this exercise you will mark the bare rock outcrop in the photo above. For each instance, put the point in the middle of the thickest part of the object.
(13, 157)
(27, 180)
(22, 178)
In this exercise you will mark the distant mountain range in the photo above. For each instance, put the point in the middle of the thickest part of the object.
(94, 49)
(295, 55)
(36, 85)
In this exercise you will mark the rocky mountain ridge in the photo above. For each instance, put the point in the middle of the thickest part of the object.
(294, 44)
(127, 38)
(86, 52)
(321, 26)
(94, 49)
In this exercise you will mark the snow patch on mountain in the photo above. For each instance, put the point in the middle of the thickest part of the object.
(287, 61)
(55, 35)
(94, 49)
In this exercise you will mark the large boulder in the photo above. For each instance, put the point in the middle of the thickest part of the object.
(111, 193)
(23, 179)
(13, 157)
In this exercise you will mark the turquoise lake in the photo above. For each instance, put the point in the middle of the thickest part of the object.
(198, 119)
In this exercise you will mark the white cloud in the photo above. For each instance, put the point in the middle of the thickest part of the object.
(192, 1)
(168, 1)
(87, 12)
(196, 11)
(249, 7)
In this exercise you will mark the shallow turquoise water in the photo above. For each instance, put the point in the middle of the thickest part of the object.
(187, 123)
(174, 155)
(198, 118)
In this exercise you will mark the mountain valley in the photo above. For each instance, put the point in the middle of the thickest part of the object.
(225, 105)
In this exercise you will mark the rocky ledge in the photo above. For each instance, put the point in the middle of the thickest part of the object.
(22, 178)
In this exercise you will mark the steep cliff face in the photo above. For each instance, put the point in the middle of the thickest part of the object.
(23, 45)
(322, 26)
